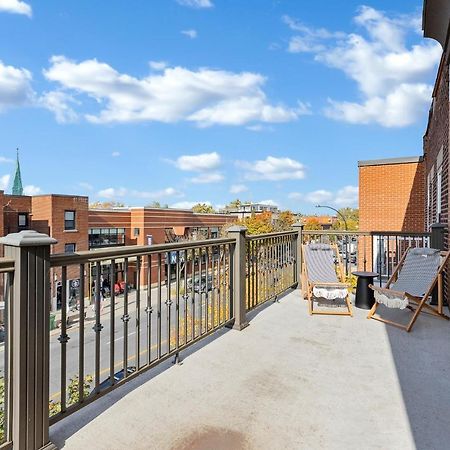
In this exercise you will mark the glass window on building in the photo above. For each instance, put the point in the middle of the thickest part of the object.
(23, 220)
(70, 248)
(69, 220)
(106, 237)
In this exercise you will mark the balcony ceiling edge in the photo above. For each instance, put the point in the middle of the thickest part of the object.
(435, 20)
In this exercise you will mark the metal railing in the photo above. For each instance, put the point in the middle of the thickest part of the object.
(271, 266)
(375, 251)
(173, 296)
(168, 297)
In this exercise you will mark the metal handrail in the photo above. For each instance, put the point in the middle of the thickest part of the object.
(253, 237)
(6, 265)
(65, 259)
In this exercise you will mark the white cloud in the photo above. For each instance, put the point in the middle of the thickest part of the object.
(115, 154)
(196, 3)
(203, 178)
(347, 196)
(238, 188)
(31, 190)
(190, 33)
(15, 87)
(15, 7)
(198, 163)
(318, 196)
(205, 96)
(158, 65)
(114, 193)
(58, 102)
(273, 169)
(391, 75)
(3, 159)
(187, 204)
(4, 182)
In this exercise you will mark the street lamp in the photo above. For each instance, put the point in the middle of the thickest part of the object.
(346, 229)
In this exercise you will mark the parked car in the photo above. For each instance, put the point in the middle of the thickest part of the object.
(200, 285)
(117, 377)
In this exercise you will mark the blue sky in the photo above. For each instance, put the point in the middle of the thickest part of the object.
(185, 101)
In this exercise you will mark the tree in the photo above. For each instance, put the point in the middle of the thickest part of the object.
(234, 204)
(106, 205)
(351, 216)
(258, 223)
(156, 204)
(203, 208)
(285, 221)
(312, 223)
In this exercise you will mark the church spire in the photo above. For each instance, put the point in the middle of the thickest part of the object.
(17, 186)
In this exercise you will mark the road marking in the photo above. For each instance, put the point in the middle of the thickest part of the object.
(57, 395)
(120, 338)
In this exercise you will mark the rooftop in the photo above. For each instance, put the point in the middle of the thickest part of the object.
(388, 161)
(287, 381)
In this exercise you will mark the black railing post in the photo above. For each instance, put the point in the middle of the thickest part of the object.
(30, 338)
(437, 241)
(239, 275)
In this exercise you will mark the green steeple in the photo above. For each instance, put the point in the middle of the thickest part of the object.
(17, 186)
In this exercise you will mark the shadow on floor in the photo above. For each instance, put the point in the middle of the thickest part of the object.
(62, 430)
(422, 360)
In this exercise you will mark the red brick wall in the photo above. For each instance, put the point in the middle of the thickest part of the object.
(392, 197)
(12, 206)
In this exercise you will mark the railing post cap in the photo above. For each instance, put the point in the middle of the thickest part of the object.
(438, 225)
(298, 225)
(237, 229)
(27, 238)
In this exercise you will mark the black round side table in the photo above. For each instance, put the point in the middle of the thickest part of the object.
(364, 298)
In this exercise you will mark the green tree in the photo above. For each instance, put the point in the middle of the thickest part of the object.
(106, 205)
(156, 204)
(203, 208)
(351, 216)
(285, 221)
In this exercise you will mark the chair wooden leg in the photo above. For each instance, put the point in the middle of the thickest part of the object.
(349, 305)
(440, 299)
(416, 314)
(373, 310)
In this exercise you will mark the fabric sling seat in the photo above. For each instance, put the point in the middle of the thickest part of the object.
(320, 279)
(412, 283)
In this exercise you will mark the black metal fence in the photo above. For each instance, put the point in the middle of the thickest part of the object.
(376, 251)
(271, 266)
(180, 293)
(126, 310)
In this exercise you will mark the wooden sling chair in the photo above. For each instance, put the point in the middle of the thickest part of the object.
(412, 282)
(320, 278)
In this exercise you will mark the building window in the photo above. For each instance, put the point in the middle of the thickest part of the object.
(23, 220)
(439, 195)
(136, 232)
(69, 248)
(106, 237)
(69, 220)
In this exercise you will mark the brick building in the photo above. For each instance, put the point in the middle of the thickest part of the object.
(69, 220)
(411, 194)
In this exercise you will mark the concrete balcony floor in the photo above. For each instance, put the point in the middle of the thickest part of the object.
(288, 381)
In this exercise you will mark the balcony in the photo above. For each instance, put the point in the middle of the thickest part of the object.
(210, 346)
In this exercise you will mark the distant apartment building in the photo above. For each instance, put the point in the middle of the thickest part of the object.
(244, 210)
